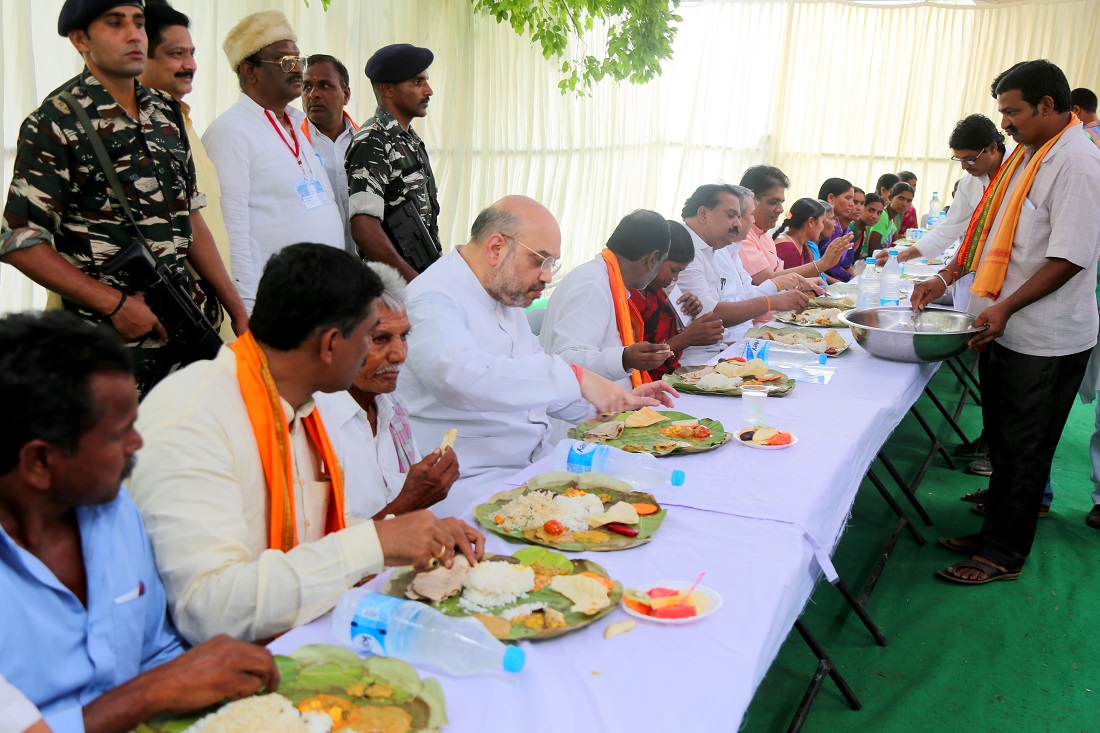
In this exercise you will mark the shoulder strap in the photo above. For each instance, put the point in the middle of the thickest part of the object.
(104, 159)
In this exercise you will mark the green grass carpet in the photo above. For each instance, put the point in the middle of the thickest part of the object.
(1009, 656)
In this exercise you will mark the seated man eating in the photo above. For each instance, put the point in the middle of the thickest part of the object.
(474, 364)
(238, 483)
(85, 635)
(660, 321)
(384, 472)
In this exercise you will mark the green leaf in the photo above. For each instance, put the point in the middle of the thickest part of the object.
(323, 654)
(645, 440)
(780, 388)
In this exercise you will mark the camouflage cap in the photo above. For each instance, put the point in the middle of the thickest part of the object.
(76, 15)
(398, 62)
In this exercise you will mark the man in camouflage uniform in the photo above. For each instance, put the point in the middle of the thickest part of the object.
(387, 162)
(60, 194)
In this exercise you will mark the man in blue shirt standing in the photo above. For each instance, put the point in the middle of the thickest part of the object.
(85, 633)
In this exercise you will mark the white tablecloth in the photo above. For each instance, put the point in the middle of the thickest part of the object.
(752, 520)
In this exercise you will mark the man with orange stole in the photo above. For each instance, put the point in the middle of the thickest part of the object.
(238, 483)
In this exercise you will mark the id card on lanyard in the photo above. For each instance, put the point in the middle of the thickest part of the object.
(311, 192)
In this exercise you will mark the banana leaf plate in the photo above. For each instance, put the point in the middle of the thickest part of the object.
(777, 388)
(650, 440)
(808, 317)
(402, 577)
(769, 332)
(332, 670)
(608, 489)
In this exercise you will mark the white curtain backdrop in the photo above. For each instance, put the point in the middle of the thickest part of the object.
(818, 88)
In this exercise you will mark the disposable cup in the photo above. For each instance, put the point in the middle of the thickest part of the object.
(753, 400)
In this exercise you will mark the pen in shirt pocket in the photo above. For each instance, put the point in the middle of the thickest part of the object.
(136, 593)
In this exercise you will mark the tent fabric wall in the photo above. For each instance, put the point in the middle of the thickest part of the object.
(818, 88)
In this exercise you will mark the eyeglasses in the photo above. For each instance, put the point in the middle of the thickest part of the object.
(970, 161)
(286, 63)
(548, 263)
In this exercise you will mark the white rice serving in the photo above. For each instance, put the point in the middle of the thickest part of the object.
(522, 610)
(262, 714)
(536, 508)
(495, 583)
(718, 381)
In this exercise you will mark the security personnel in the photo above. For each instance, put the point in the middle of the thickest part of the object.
(60, 195)
(387, 162)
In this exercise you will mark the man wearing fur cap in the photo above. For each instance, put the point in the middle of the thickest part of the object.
(275, 191)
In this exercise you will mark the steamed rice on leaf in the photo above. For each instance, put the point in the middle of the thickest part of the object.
(536, 508)
(494, 584)
(269, 713)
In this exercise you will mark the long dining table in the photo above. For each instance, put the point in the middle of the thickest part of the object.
(762, 525)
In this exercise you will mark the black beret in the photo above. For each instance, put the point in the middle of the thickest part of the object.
(77, 15)
(396, 63)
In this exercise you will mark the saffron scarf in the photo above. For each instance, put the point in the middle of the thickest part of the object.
(994, 266)
(265, 411)
(627, 317)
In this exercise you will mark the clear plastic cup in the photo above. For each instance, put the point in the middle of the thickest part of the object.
(753, 400)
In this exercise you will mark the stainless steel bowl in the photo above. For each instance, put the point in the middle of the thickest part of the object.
(893, 333)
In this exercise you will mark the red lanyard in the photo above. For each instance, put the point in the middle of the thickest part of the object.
(296, 149)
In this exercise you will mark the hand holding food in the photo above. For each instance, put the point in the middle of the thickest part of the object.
(703, 331)
(790, 300)
(222, 668)
(416, 539)
(926, 292)
(468, 540)
(644, 356)
(429, 481)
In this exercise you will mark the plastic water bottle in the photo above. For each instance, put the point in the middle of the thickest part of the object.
(419, 634)
(641, 470)
(935, 206)
(869, 283)
(889, 292)
(781, 356)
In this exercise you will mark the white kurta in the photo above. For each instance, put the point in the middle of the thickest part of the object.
(200, 486)
(331, 154)
(372, 471)
(260, 202)
(717, 276)
(580, 324)
(475, 366)
(948, 231)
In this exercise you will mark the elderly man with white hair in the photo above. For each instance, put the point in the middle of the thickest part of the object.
(369, 425)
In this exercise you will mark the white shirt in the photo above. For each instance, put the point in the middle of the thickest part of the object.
(580, 324)
(948, 231)
(260, 203)
(475, 366)
(17, 713)
(1060, 218)
(331, 153)
(718, 276)
(202, 493)
(372, 471)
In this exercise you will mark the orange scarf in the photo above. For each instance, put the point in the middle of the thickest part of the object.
(305, 126)
(994, 266)
(627, 317)
(265, 410)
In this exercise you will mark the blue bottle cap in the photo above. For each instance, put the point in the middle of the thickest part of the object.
(821, 359)
(870, 260)
(893, 252)
(677, 478)
(514, 657)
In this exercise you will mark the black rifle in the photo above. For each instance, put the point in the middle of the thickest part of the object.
(409, 234)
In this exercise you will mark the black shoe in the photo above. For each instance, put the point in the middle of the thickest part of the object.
(978, 448)
(1093, 519)
(980, 467)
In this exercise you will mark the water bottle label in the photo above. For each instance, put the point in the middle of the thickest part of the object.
(580, 457)
(372, 618)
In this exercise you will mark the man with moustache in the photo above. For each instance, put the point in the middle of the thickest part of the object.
(275, 190)
(85, 635)
(1032, 243)
(61, 224)
(369, 424)
(387, 163)
(326, 91)
(171, 69)
(712, 216)
(474, 364)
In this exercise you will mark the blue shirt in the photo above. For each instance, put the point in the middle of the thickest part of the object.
(62, 655)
